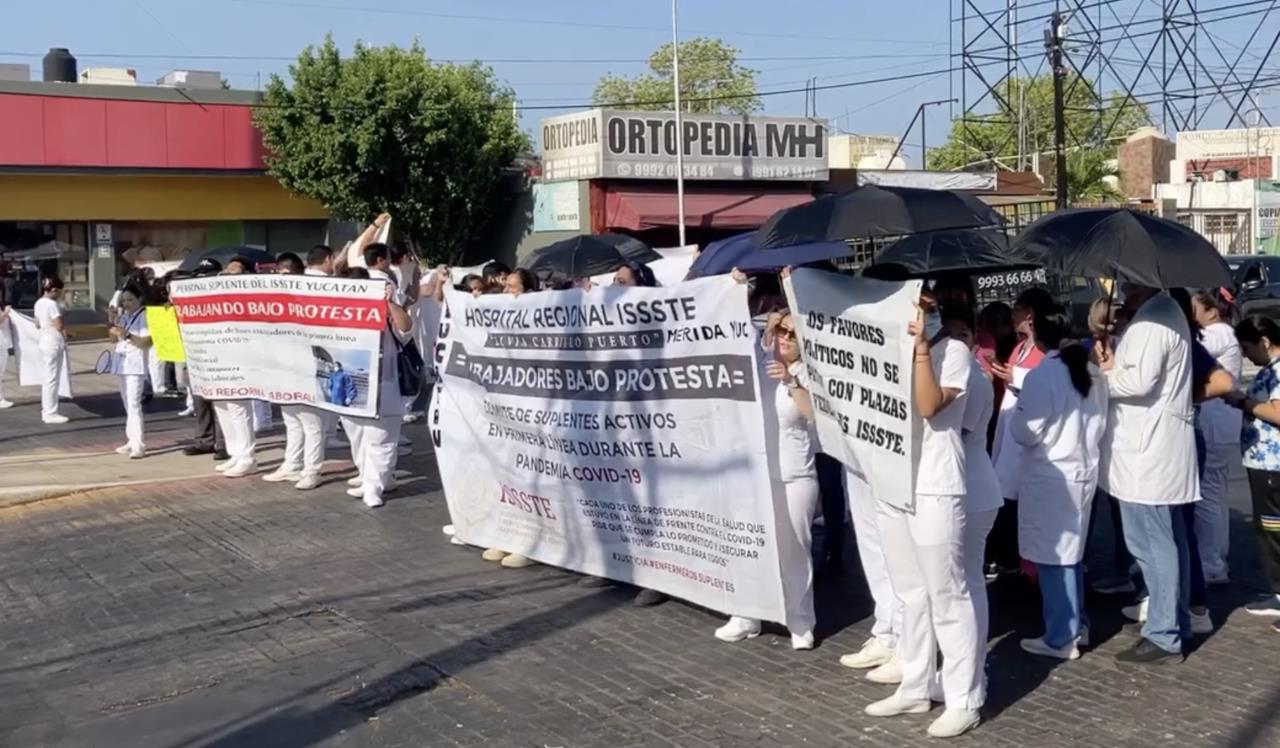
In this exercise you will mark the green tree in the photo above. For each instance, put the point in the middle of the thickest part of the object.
(708, 68)
(387, 129)
(992, 139)
(1089, 177)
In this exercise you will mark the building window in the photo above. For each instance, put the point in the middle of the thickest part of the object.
(31, 251)
(1221, 223)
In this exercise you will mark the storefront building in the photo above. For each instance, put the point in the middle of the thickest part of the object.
(96, 180)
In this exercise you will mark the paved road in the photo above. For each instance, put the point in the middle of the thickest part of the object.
(217, 612)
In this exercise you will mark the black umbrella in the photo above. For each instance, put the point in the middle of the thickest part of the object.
(870, 211)
(223, 255)
(1125, 245)
(953, 249)
(631, 248)
(579, 257)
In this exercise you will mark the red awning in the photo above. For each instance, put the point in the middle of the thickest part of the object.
(640, 208)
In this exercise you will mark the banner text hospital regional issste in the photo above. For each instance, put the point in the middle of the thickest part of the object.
(617, 432)
(284, 339)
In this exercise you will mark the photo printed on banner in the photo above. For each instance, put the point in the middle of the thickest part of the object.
(617, 432)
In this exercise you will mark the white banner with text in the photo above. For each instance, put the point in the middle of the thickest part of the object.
(855, 346)
(289, 339)
(617, 432)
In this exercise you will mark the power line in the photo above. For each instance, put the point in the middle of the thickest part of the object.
(494, 60)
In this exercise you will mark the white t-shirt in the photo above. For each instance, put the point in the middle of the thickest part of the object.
(130, 360)
(1221, 422)
(46, 310)
(795, 432)
(982, 489)
(941, 471)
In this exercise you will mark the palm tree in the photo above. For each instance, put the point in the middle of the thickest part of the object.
(1089, 178)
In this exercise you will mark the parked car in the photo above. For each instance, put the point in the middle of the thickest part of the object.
(1257, 285)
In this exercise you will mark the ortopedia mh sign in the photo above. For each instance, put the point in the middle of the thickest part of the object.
(643, 145)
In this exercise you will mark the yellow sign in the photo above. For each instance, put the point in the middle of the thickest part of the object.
(162, 321)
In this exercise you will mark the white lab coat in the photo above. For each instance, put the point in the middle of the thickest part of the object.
(1149, 449)
(1060, 433)
(982, 489)
(1006, 455)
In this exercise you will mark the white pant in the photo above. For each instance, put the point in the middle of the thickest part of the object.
(1213, 517)
(303, 439)
(4, 366)
(373, 449)
(261, 415)
(235, 418)
(155, 370)
(866, 530)
(184, 380)
(925, 556)
(131, 393)
(795, 554)
(52, 348)
(977, 527)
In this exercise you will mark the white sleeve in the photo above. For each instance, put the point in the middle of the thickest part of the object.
(953, 370)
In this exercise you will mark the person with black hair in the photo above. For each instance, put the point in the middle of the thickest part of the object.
(1260, 438)
(239, 265)
(1059, 423)
(288, 263)
(635, 274)
(53, 347)
(129, 362)
(319, 261)
(495, 276)
(474, 285)
(520, 281)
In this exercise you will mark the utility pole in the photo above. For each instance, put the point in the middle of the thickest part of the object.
(919, 115)
(1053, 41)
(675, 78)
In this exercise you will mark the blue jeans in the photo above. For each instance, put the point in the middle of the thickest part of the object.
(1062, 596)
(1157, 538)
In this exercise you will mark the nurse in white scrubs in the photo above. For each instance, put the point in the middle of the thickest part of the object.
(235, 417)
(982, 496)
(925, 545)
(1220, 423)
(133, 340)
(6, 342)
(53, 347)
(1059, 423)
(304, 425)
(878, 653)
(800, 477)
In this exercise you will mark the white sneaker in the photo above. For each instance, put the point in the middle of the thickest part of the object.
(456, 541)
(802, 642)
(280, 475)
(1038, 647)
(888, 674)
(356, 493)
(355, 482)
(895, 705)
(873, 654)
(55, 419)
(493, 554)
(186, 412)
(223, 467)
(1136, 612)
(954, 722)
(373, 501)
(447, 530)
(123, 449)
(1201, 623)
(737, 629)
(307, 482)
(137, 454)
(5, 404)
(240, 469)
(516, 561)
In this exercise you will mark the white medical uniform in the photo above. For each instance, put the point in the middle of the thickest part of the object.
(155, 370)
(374, 441)
(53, 347)
(1220, 424)
(129, 362)
(6, 342)
(1005, 452)
(982, 495)
(800, 479)
(235, 418)
(1060, 433)
(887, 608)
(925, 553)
(328, 419)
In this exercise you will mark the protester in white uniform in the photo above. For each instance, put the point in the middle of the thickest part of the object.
(304, 425)
(878, 653)
(53, 347)
(1220, 424)
(800, 478)
(6, 343)
(129, 362)
(982, 497)
(925, 548)
(235, 417)
(373, 440)
(1149, 461)
(1059, 422)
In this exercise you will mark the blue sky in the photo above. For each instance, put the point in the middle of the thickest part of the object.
(877, 38)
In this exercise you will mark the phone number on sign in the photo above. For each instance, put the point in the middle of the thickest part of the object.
(1016, 278)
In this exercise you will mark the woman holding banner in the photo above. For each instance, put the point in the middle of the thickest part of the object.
(129, 361)
(925, 547)
(235, 417)
(53, 347)
(800, 477)
(304, 426)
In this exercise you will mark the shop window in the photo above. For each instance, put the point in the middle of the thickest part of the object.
(32, 250)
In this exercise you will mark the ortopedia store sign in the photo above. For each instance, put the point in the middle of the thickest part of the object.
(643, 145)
